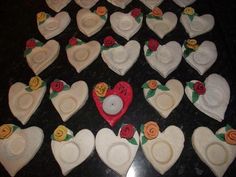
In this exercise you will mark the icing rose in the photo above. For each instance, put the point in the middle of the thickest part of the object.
(6, 130)
(230, 136)
(127, 131)
(31, 43)
(151, 130)
(199, 88)
(136, 12)
(57, 86)
(152, 84)
(192, 44)
(189, 11)
(101, 89)
(153, 44)
(109, 41)
(60, 133)
(101, 10)
(41, 16)
(157, 12)
(35, 83)
(73, 41)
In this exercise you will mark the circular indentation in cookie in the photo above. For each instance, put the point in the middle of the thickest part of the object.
(164, 101)
(119, 54)
(67, 104)
(201, 57)
(161, 27)
(213, 96)
(69, 152)
(81, 54)
(164, 55)
(197, 24)
(90, 20)
(112, 105)
(16, 145)
(118, 154)
(51, 24)
(216, 154)
(126, 23)
(25, 101)
(39, 56)
(162, 151)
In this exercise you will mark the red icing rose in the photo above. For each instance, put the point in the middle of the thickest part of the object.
(57, 86)
(153, 44)
(73, 41)
(30, 43)
(136, 12)
(127, 131)
(199, 88)
(109, 41)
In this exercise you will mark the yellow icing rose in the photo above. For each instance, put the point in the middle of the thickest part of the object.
(192, 44)
(6, 130)
(189, 11)
(60, 133)
(101, 89)
(41, 16)
(35, 83)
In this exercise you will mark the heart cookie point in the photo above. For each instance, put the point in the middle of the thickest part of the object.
(184, 3)
(151, 3)
(57, 5)
(120, 3)
(87, 4)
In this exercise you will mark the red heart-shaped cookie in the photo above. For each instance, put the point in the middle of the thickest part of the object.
(122, 89)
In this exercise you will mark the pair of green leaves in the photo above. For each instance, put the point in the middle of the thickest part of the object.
(79, 42)
(28, 89)
(113, 46)
(54, 94)
(28, 50)
(154, 17)
(151, 92)
(139, 18)
(221, 136)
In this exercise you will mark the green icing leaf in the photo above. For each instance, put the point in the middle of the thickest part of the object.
(154, 17)
(14, 127)
(146, 43)
(145, 85)
(148, 53)
(68, 137)
(150, 93)
(163, 87)
(27, 51)
(221, 136)
(68, 46)
(190, 84)
(195, 97)
(28, 89)
(52, 137)
(187, 52)
(39, 44)
(133, 141)
(142, 128)
(106, 48)
(144, 139)
(228, 127)
(104, 17)
(43, 84)
(66, 87)
(80, 42)
(101, 99)
(53, 94)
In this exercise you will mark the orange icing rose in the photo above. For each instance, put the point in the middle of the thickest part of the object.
(101, 89)
(60, 133)
(230, 136)
(152, 84)
(157, 12)
(151, 130)
(101, 10)
(35, 83)
(6, 130)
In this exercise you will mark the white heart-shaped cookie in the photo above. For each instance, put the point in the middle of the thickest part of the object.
(121, 58)
(151, 3)
(164, 98)
(40, 57)
(116, 152)
(165, 59)
(203, 58)
(68, 101)
(20, 148)
(90, 23)
(184, 3)
(24, 103)
(163, 151)
(57, 5)
(125, 25)
(82, 54)
(162, 26)
(120, 3)
(87, 4)
(216, 98)
(216, 154)
(69, 154)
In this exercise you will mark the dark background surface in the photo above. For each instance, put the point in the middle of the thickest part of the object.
(18, 23)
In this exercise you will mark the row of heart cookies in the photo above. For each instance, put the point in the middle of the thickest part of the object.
(162, 58)
(162, 149)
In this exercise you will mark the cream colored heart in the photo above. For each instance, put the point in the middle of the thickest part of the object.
(216, 99)
(68, 102)
(166, 59)
(117, 153)
(216, 154)
(199, 25)
(120, 3)
(125, 25)
(163, 151)
(87, 4)
(184, 3)
(89, 23)
(81, 56)
(151, 3)
(23, 103)
(20, 148)
(41, 57)
(69, 154)
(164, 26)
(53, 26)
(120, 59)
(166, 101)
(57, 5)
(203, 58)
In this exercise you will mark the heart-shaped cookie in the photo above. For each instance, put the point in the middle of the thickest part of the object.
(72, 150)
(212, 97)
(81, 54)
(121, 58)
(89, 23)
(116, 152)
(120, 3)
(161, 149)
(161, 24)
(87, 4)
(68, 100)
(20, 147)
(57, 5)
(196, 25)
(39, 56)
(126, 25)
(151, 3)
(49, 26)
(165, 59)
(201, 58)
(112, 104)
(164, 98)
(24, 101)
(215, 153)
(184, 3)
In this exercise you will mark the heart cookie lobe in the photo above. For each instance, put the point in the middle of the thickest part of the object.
(184, 3)
(87, 4)
(122, 4)
(57, 5)
(112, 104)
